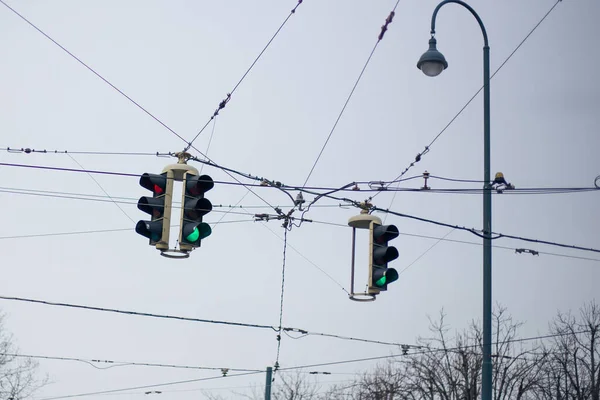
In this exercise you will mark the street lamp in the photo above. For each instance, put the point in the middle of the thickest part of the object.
(432, 63)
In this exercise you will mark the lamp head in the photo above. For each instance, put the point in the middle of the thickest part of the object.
(432, 62)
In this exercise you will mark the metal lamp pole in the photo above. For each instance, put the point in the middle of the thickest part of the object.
(432, 63)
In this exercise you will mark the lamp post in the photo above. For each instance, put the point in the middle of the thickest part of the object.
(432, 63)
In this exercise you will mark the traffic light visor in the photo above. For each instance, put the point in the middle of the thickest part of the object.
(192, 232)
(383, 255)
(386, 276)
(197, 185)
(196, 208)
(157, 184)
(385, 233)
(151, 205)
(150, 229)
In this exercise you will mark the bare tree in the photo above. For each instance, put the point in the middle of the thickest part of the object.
(18, 376)
(449, 365)
(573, 367)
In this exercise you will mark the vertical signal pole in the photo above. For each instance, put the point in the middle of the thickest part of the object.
(268, 383)
(166, 227)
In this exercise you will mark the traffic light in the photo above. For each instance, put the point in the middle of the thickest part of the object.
(379, 256)
(193, 207)
(159, 208)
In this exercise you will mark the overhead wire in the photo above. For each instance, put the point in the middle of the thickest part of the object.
(425, 252)
(28, 150)
(129, 98)
(479, 233)
(303, 332)
(384, 28)
(149, 386)
(114, 200)
(350, 187)
(425, 350)
(408, 234)
(91, 70)
(114, 363)
(77, 195)
(428, 147)
(102, 188)
(306, 258)
(224, 102)
(50, 234)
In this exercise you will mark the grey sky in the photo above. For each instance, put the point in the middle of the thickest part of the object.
(179, 59)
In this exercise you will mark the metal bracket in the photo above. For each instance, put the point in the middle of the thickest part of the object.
(361, 221)
(175, 254)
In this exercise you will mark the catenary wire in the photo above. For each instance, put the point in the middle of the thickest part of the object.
(114, 363)
(307, 366)
(102, 188)
(114, 200)
(306, 258)
(425, 350)
(427, 148)
(149, 386)
(114, 87)
(425, 252)
(123, 93)
(85, 195)
(477, 233)
(137, 313)
(189, 319)
(29, 236)
(380, 37)
(310, 189)
(92, 70)
(94, 153)
(223, 103)
(408, 234)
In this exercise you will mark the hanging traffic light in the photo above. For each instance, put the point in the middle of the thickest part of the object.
(193, 207)
(159, 208)
(379, 256)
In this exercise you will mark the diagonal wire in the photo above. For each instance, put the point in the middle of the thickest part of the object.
(120, 91)
(149, 386)
(101, 188)
(306, 258)
(224, 102)
(92, 70)
(427, 148)
(350, 95)
(426, 251)
(129, 98)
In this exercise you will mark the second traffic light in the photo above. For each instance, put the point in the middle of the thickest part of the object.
(193, 207)
(379, 256)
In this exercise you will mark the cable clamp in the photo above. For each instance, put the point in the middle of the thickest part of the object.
(222, 105)
(388, 21)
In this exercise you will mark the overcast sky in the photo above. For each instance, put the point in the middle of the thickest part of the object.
(178, 59)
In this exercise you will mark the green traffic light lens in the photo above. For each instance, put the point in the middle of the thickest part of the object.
(194, 236)
(381, 281)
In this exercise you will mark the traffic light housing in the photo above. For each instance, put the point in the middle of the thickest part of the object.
(159, 208)
(193, 207)
(379, 256)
